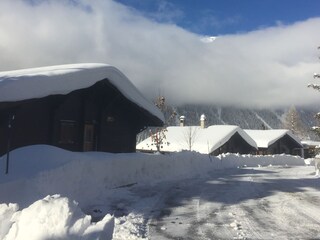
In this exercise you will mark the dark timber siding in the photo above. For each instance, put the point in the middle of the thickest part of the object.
(236, 144)
(98, 118)
(285, 145)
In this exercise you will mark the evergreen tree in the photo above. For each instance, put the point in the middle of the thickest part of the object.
(292, 121)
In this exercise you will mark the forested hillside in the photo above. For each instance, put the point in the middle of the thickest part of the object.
(299, 120)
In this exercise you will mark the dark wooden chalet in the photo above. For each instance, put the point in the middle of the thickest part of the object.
(310, 148)
(104, 114)
(235, 144)
(276, 141)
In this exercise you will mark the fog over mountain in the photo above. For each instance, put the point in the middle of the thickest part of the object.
(245, 118)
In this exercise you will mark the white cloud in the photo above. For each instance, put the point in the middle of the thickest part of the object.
(266, 68)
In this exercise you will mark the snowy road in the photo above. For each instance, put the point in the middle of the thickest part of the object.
(157, 196)
(259, 203)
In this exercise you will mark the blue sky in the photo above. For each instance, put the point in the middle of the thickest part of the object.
(264, 56)
(219, 17)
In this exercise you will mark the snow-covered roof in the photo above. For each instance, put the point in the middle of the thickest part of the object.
(203, 140)
(310, 143)
(62, 79)
(264, 138)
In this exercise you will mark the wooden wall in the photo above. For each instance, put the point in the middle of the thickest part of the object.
(284, 145)
(98, 118)
(236, 144)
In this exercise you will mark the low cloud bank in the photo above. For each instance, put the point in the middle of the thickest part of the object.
(269, 67)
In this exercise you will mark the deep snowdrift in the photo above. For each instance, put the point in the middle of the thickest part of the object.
(53, 217)
(68, 183)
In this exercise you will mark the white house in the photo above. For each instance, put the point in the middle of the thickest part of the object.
(212, 140)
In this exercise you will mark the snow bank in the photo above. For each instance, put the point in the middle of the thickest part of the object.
(6, 213)
(27, 161)
(235, 160)
(45, 170)
(42, 172)
(53, 217)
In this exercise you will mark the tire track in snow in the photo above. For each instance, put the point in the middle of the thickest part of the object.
(221, 223)
(213, 222)
(308, 222)
(238, 205)
(283, 216)
(171, 220)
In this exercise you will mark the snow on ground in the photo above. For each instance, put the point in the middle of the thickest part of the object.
(52, 193)
(272, 202)
(52, 217)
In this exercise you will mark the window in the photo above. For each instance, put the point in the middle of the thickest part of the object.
(67, 132)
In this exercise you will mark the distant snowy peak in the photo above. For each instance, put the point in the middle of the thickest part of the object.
(208, 39)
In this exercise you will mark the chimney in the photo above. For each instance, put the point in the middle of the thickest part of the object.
(182, 119)
(203, 121)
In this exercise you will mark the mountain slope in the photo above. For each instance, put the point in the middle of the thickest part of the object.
(246, 118)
